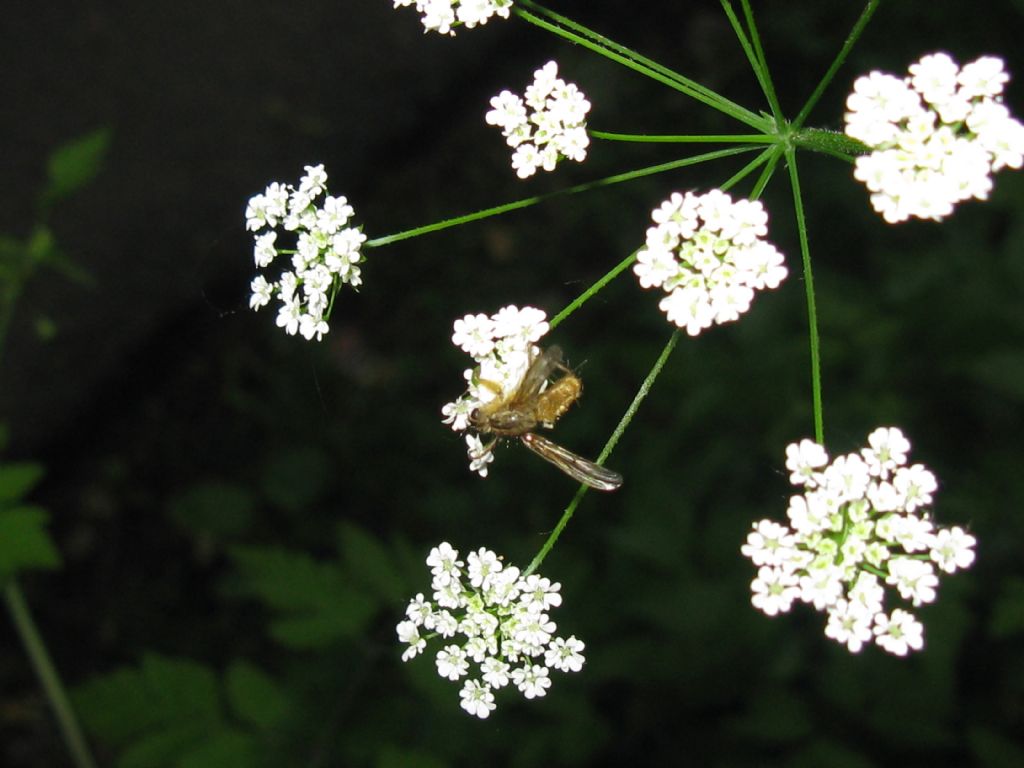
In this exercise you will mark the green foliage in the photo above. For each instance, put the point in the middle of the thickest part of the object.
(18, 479)
(176, 712)
(218, 509)
(75, 165)
(315, 603)
(25, 542)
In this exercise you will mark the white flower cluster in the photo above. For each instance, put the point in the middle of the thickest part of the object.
(937, 135)
(502, 345)
(502, 618)
(554, 128)
(706, 253)
(860, 523)
(443, 15)
(325, 257)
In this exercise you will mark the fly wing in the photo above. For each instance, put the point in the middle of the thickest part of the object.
(540, 369)
(576, 467)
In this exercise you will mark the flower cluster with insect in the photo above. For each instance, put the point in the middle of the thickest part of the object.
(707, 253)
(443, 16)
(501, 618)
(325, 257)
(544, 125)
(937, 135)
(502, 345)
(860, 523)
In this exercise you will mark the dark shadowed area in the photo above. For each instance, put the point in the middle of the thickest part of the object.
(242, 516)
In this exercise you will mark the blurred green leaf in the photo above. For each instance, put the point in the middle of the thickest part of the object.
(75, 164)
(221, 509)
(995, 750)
(46, 328)
(25, 542)
(169, 713)
(255, 697)
(294, 479)
(17, 479)
(370, 562)
(163, 747)
(391, 756)
(315, 603)
(157, 709)
(1008, 612)
(227, 748)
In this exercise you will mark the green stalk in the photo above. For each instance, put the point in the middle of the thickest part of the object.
(855, 33)
(527, 202)
(43, 666)
(812, 313)
(564, 27)
(754, 54)
(627, 417)
(750, 138)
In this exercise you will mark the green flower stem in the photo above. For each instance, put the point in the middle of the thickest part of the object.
(627, 417)
(47, 674)
(749, 138)
(527, 202)
(829, 142)
(775, 154)
(584, 297)
(750, 167)
(755, 54)
(855, 33)
(580, 35)
(812, 313)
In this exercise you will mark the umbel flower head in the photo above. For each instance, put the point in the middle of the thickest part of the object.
(707, 253)
(502, 345)
(937, 135)
(860, 525)
(444, 16)
(325, 256)
(545, 125)
(494, 625)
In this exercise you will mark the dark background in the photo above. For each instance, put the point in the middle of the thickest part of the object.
(176, 426)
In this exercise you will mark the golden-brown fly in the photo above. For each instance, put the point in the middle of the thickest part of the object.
(531, 405)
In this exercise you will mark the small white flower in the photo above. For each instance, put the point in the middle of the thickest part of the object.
(769, 544)
(477, 699)
(539, 594)
(533, 680)
(452, 662)
(565, 655)
(887, 450)
(420, 612)
(409, 633)
(495, 672)
(480, 455)
(444, 563)
(915, 579)
(474, 334)
(804, 460)
(262, 291)
(774, 590)
(849, 624)
(953, 549)
(899, 633)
